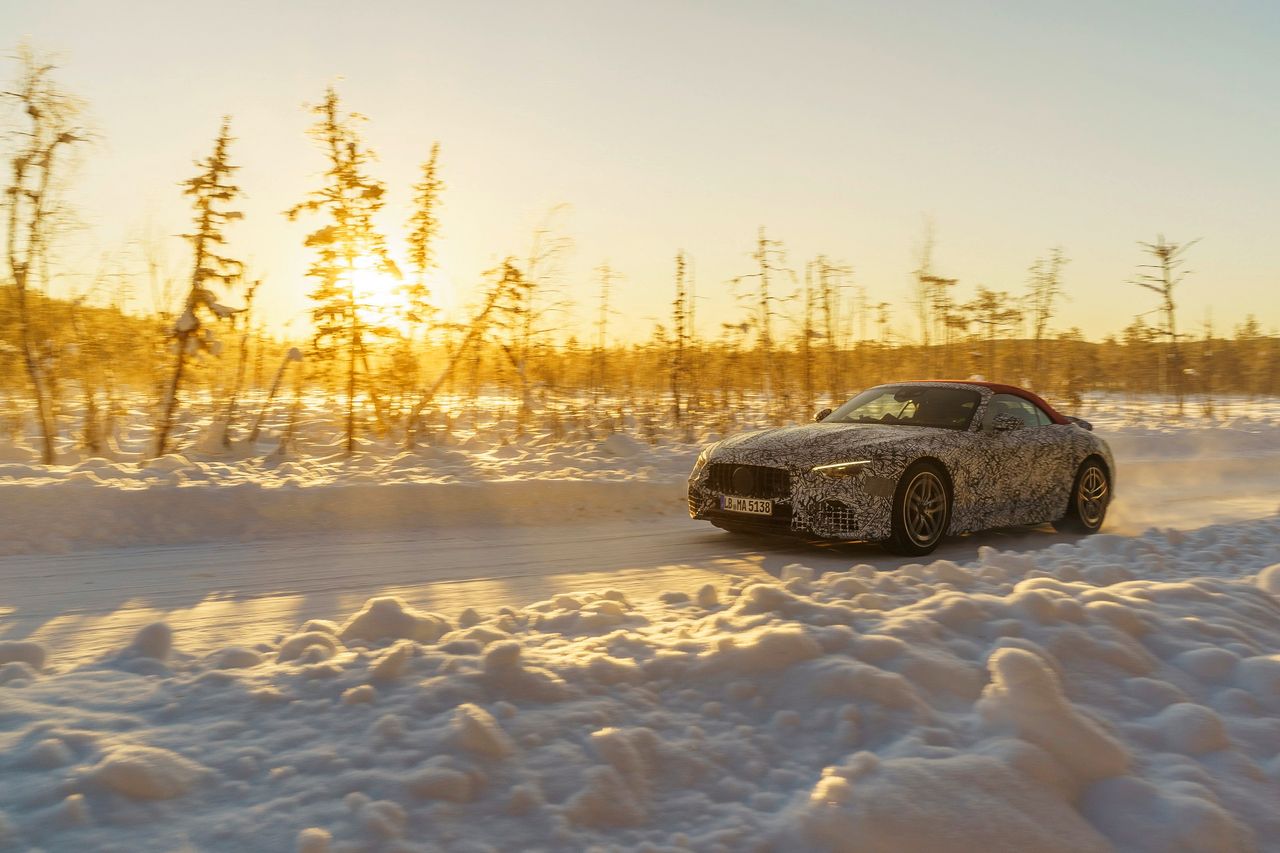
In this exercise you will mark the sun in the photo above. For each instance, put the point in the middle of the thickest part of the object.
(379, 294)
(383, 300)
(375, 286)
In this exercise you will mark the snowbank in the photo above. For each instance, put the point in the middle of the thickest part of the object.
(534, 480)
(180, 500)
(1118, 693)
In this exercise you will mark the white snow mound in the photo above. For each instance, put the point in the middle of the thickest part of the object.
(391, 619)
(147, 773)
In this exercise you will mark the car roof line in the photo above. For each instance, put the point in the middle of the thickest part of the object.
(996, 388)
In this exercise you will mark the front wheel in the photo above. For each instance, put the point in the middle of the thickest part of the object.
(1090, 497)
(921, 511)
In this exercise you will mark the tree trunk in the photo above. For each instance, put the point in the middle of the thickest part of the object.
(383, 421)
(350, 444)
(478, 325)
(1175, 352)
(271, 393)
(233, 400)
(32, 364)
(92, 432)
(170, 401)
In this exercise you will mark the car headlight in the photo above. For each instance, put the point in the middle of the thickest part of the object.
(839, 470)
(703, 458)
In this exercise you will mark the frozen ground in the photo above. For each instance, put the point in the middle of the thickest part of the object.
(273, 654)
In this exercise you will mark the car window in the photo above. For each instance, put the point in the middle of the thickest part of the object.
(910, 405)
(1024, 410)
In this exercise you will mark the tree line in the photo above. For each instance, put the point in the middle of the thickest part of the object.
(806, 333)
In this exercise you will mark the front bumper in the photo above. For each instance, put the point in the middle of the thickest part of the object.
(851, 508)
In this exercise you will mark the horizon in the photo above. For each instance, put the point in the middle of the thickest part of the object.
(655, 153)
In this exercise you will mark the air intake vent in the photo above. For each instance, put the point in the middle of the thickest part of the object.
(837, 519)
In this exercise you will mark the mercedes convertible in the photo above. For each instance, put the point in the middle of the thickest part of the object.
(908, 463)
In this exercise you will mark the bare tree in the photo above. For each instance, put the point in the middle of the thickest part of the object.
(231, 409)
(292, 355)
(804, 345)
(769, 256)
(923, 281)
(51, 127)
(504, 300)
(935, 307)
(599, 354)
(830, 280)
(1044, 289)
(1208, 368)
(1161, 277)
(884, 333)
(89, 357)
(994, 314)
(680, 338)
(525, 313)
(211, 190)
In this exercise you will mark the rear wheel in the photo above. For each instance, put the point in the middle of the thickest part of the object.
(1090, 497)
(921, 511)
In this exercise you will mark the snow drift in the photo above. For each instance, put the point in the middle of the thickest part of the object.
(1119, 693)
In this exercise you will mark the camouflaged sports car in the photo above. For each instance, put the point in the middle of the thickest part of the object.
(908, 463)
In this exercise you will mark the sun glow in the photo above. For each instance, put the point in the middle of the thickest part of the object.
(383, 298)
(379, 295)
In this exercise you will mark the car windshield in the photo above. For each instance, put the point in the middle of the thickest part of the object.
(910, 405)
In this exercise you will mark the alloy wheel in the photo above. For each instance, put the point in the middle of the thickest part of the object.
(1091, 496)
(924, 508)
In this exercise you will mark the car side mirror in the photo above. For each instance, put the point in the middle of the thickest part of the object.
(1006, 423)
(822, 414)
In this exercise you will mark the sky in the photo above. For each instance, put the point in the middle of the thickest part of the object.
(843, 127)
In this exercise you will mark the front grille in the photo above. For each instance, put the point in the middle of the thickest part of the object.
(749, 481)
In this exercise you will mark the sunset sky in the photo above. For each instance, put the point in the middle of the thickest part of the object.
(841, 126)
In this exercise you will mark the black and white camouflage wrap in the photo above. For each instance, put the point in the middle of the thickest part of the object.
(997, 479)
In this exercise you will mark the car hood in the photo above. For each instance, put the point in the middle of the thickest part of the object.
(817, 444)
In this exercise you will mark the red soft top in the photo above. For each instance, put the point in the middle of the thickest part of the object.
(996, 388)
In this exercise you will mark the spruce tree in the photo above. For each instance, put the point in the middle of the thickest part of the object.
(211, 191)
(424, 228)
(347, 243)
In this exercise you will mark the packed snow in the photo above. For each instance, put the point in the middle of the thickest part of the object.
(1023, 691)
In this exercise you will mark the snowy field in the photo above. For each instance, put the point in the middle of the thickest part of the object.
(523, 645)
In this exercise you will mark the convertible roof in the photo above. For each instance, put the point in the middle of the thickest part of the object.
(996, 388)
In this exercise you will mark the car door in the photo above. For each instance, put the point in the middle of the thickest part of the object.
(986, 467)
(1033, 456)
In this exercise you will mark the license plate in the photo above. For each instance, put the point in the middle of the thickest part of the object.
(751, 506)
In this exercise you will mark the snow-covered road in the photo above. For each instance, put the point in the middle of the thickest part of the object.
(88, 602)
(81, 604)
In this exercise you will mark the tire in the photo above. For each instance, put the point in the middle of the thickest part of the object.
(1090, 497)
(921, 511)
